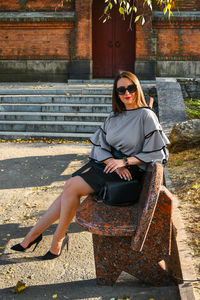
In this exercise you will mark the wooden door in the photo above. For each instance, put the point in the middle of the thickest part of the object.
(113, 44)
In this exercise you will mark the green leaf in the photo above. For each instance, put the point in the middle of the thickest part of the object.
(165, 10)
(121, 10)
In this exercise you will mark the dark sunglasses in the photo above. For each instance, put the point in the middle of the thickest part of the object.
(130, 88)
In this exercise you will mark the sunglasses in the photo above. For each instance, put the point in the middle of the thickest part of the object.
(130, 88)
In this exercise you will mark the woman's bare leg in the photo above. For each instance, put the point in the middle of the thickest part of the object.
(50, 216)
(74, 189)
(70, 200)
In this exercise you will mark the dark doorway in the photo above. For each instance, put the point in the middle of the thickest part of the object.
(113, 44)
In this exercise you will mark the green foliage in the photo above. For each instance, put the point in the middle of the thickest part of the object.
(193, 108)
(130, 7)
(179, 162)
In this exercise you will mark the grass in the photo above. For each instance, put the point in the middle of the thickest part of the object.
(192, 108)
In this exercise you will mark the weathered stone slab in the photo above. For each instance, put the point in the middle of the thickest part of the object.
(170, 103)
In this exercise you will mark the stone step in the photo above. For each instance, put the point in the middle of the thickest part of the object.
(103, 81)
(49, 126)
(62, 108)
(73, 99)
(68, 91)
(10, 135)
(74, 110)
(38, 116)
(64, 89)
(90, 81)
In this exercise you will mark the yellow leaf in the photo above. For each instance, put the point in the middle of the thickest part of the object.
(137, 18)
(20, 286)
(196, 186)
(54, 296)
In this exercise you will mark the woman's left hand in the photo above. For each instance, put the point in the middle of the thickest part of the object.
(113, 164)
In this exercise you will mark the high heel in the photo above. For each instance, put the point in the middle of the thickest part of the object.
(50, 255)
(19, 247)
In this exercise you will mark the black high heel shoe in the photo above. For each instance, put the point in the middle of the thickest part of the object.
(50, 255)
(20, 248)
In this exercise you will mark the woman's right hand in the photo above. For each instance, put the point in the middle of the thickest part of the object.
(124, 173)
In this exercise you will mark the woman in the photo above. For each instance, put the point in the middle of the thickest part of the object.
(133, 130)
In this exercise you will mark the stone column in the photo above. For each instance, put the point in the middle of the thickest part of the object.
(145, 64)
(81, 42)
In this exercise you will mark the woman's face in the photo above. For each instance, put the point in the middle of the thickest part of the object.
(129, 98)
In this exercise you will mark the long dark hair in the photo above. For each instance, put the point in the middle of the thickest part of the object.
(117, 105)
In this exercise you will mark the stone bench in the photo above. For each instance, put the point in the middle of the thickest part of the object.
(138, 239)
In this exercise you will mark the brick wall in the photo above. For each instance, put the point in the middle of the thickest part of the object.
(36, 5)
(157, 40)
(182, 5)
(187, 5)
(179, 40)
(82, 36)
(35, 40)
(144, 48)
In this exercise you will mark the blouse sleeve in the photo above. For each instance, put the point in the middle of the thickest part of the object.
(101, 150)
(155, 142)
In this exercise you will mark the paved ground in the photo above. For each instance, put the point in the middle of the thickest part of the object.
(31, 176)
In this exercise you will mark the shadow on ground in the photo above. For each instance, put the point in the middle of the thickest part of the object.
(35, 170)
(17, 232)
(88, 289)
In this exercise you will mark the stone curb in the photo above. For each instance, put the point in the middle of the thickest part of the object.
(169, 117)
(188, 273)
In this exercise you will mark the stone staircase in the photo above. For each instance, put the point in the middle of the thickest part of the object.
(69, 111)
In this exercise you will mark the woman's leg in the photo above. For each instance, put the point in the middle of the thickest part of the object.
(80, 188)
(70, 200)
(50, 216)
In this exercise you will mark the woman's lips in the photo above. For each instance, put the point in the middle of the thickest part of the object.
(127, 98)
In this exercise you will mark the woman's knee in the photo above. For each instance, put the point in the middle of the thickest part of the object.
(77, 186)
(72, 186)
(70, 183)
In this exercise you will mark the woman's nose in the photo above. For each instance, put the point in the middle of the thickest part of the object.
(127, 92)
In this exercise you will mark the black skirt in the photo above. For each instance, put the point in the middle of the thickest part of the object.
(96, 178)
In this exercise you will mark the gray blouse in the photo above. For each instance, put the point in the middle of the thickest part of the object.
(134, 132)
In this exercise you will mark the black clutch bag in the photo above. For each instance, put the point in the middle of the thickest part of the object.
(121, 193)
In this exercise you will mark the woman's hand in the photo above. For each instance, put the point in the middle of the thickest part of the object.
(124, 173)
(117, 165)
(113, 164)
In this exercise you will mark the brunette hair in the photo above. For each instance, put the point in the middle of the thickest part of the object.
(117, 105)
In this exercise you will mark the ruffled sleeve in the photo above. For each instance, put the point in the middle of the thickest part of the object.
(155, 142)
(101, 150)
